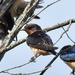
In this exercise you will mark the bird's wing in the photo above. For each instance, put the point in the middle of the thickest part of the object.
(48, 39)
(38, 40)
(22, 6)
(68, 57)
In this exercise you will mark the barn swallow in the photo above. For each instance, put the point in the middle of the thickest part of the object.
(39, 42)
(68, 55)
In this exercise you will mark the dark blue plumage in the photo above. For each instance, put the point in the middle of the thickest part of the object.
(39, 41)
(68, 55)
(42, 41)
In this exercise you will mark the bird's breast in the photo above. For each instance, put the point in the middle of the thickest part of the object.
(71, 64)
(40, 52)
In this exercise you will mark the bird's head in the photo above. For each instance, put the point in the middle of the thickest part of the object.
(65, 49)
(31, 28)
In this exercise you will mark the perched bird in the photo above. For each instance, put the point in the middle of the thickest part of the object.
(68, 55)
(18, 6)
(39, 42)
(15, 10)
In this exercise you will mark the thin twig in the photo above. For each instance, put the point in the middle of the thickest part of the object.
(41, 11)
(7, 72)
(50, 63)
(15, 67)
(60, 37)
(46, 30)
(4, 71)
(67, 33)
(15, 44)
(17, 26)
(42, 71)
(59, 25)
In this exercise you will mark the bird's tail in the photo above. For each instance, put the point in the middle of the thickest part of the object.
(37, 17)
(53, 50)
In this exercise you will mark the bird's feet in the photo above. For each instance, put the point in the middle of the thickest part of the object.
(32, 59)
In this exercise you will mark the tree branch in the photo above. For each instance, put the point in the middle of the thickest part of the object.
(50, 63)
(43, 9)
(16, 67)
(5, 7)
(15, 44)
(17, 26)
(46, 29)
(51, 28)
(59, 25)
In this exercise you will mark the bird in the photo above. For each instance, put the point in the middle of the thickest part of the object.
(68, 56)
(15, 10)
(6, 25)
(18, 6)
(39, 42)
